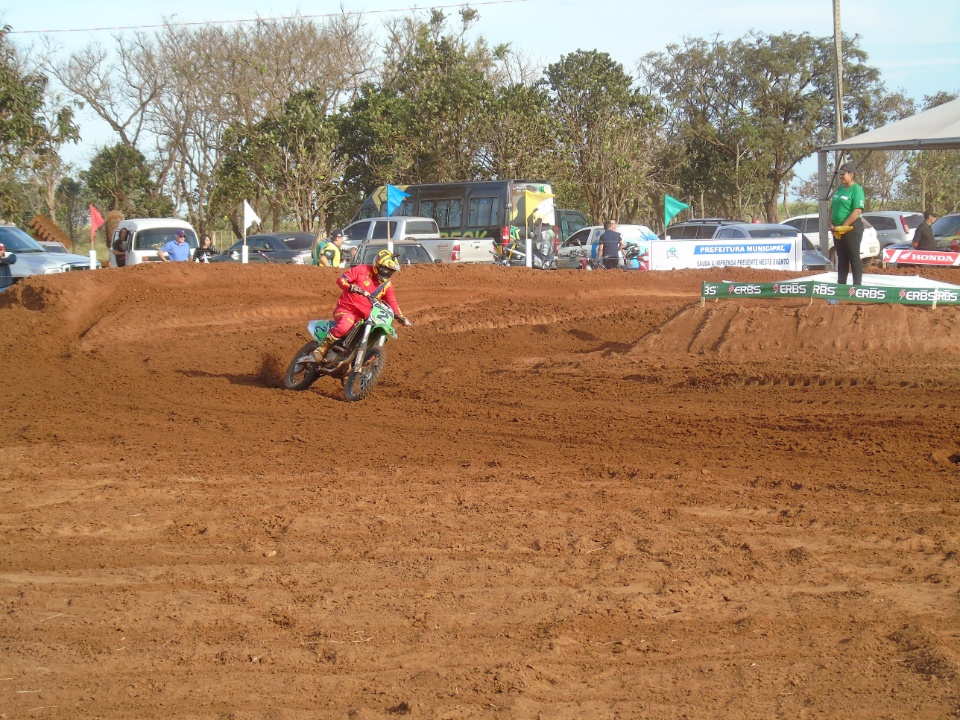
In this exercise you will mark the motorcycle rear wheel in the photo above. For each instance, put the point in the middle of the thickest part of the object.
(359, 383)
(301, 375)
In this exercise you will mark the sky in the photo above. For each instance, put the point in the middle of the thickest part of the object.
(917, 53)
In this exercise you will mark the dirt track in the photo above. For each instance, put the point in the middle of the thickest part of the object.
(574, 495)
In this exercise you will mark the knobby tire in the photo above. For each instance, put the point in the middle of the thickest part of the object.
(359, 383)
(300, 376)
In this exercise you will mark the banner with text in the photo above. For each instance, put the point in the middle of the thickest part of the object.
(921, 257)
(831, 291)
(774, 254)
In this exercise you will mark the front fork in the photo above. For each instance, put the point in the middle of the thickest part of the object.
(362, 350)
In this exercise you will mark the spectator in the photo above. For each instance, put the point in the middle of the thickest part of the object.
(609, 245)
(119, 248)
(923, 237)
(328, 252)
(205, 251)
(6, 260)
(847, 226)
(175, 250)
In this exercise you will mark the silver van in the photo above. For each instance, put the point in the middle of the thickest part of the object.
(148, 235)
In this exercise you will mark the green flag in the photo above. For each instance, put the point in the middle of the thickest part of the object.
(671, 206)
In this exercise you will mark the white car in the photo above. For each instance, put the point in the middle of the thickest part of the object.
(582, 245)
(809, 225)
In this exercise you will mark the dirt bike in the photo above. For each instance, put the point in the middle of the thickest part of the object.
(634, 258)
(357, 359)
(513, 254)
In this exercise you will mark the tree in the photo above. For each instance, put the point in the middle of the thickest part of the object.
(429, 118)
(172, 95)
(446, 84)
(606, 132)
(288, 159)
(751, 110)
(72, 206)
(520, 138)
(119, 179)
(23, 136)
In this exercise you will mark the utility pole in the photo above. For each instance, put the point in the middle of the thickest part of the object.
(837, 71)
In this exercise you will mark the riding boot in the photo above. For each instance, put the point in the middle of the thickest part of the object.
(321, 351)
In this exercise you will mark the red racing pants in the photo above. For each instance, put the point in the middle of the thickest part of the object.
(343, 321)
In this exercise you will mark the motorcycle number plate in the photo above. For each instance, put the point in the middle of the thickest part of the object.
(380, 316)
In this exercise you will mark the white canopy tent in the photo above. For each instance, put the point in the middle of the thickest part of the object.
(935, 129)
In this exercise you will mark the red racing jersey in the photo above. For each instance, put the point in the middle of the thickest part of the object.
(358, 305)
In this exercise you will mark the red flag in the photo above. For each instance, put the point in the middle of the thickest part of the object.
(96, 220)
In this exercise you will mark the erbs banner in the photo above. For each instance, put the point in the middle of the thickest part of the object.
(772, 254)
(832, 291)
(921, 257)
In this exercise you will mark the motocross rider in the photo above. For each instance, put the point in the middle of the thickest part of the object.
(353, 305)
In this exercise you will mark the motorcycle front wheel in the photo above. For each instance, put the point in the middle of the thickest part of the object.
(360, 382)
(301, 375)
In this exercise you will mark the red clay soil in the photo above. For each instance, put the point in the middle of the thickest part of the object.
(573, 495)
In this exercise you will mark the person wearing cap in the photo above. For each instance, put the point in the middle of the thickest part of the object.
(175, 250)
(328, 252)
(847, 225)
(923, 238)
(6, 260)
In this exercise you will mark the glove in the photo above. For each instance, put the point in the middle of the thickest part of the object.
(404, 320)
(356, 289)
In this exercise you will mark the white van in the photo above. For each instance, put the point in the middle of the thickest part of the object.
(148, 235)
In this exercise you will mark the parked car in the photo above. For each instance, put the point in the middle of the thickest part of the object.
(33, 259)
(813, 259)
(407, 252)
(809, 226)
(695, 229)
(396, 227)
(893, 226)
(946, 231)
(583, 243)
(569, 222)
(53, 246)
(284, 248)
(147, 235)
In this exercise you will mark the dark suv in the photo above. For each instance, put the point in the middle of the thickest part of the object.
(696, 229)
(946, 231)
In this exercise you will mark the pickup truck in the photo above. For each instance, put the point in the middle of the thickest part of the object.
(425, 231)
(440, 250)
(390, 228)
(460, 249)
(32, 259)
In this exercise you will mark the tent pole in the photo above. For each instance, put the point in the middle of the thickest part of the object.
(823, 204)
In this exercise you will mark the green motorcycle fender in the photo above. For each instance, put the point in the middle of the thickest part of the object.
(383, 321)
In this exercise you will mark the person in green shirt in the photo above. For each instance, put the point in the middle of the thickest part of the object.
(847, 226)
(328, 252)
